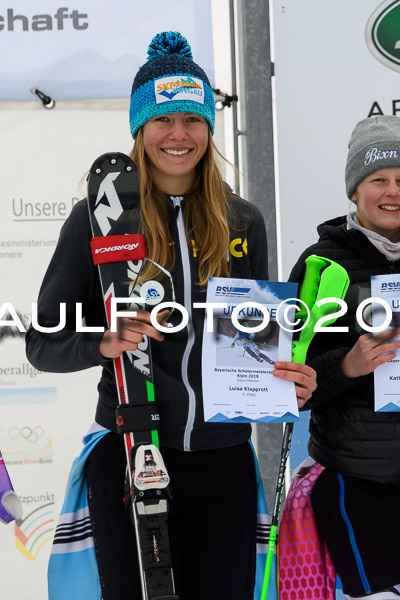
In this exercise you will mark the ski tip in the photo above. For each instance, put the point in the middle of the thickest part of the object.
(109, 160)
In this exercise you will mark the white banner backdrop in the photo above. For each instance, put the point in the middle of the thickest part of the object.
(43, 415)
(335, 64)
(91, 49)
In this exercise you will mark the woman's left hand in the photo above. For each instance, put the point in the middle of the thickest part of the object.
(303, 376)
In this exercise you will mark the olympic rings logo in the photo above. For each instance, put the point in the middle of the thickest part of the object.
(26, 434)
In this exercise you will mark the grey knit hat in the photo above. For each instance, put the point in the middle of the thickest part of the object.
(374, 145)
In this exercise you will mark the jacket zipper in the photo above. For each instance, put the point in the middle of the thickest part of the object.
(187, 295)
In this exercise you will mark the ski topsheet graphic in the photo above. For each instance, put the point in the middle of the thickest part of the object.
(118, 249)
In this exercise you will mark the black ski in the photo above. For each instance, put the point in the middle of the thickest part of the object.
(118, 250)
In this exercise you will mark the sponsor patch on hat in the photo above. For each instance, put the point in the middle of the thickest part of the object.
(179, 87)
(374, 154)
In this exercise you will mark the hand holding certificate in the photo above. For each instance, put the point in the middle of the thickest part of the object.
(240, 349)
(387, 315)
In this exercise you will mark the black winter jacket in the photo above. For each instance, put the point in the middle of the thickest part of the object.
(71, 278)
(346, 434)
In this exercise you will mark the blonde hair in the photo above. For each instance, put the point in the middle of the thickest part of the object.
(206, 215)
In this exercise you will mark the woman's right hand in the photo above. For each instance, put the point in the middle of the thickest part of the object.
(130, 334)
(369, 352)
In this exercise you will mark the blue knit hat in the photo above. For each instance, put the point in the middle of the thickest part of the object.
(170, 82)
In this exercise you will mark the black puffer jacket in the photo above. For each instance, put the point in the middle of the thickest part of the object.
(346, 434)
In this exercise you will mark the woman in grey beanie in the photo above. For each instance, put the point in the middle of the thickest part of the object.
(356, 499)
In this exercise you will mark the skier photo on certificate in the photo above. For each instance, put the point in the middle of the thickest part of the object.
(246, 340)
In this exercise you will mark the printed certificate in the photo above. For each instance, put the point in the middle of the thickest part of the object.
(387, 376)
(237, 364)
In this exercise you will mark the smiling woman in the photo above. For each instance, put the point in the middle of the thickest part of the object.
(373, 175)
(377, 199)
(356, 498)
(196, 229)
(174, 144)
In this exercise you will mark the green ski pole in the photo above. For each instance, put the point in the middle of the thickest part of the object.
(323, 279)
